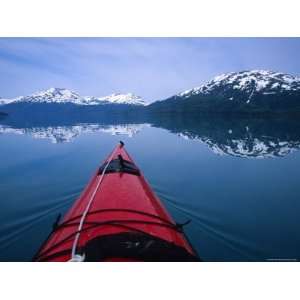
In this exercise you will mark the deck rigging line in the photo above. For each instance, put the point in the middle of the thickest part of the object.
(78, 257)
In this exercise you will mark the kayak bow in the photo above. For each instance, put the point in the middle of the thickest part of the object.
(117, 218)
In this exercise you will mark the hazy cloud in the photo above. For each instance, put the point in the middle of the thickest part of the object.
(154, 68)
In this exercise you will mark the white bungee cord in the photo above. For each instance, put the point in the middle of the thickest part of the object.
(80, 257)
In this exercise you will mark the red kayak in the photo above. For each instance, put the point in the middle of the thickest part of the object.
(117, 218)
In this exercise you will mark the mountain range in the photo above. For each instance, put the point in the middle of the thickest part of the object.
(63, 96)
(256, 91)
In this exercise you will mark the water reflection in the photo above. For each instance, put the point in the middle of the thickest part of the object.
(39, 180)
(241, 137)
(64, 134)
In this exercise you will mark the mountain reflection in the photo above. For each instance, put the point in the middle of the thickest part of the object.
(237, 136)
(243, 137)
(65, 134)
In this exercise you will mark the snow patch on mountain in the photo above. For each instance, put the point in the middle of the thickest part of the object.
(5, 101)
(124, 99)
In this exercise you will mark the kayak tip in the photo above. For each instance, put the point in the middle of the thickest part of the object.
(121, 144)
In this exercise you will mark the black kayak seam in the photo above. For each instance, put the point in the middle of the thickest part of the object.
(57, 227)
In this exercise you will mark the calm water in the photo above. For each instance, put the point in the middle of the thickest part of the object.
(238, 181)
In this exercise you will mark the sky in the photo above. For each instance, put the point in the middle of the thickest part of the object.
(153, 68)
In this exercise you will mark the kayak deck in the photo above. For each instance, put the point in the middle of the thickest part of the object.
(122, 220)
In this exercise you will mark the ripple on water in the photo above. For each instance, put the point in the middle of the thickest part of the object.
(209, 223)
(42, 215)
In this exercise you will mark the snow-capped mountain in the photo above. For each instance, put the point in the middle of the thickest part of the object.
(246, 91)
(249, 83)
(124, 99)
(61, 95)
(256, 91)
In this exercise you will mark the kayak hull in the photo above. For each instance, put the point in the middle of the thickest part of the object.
(124, 221)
